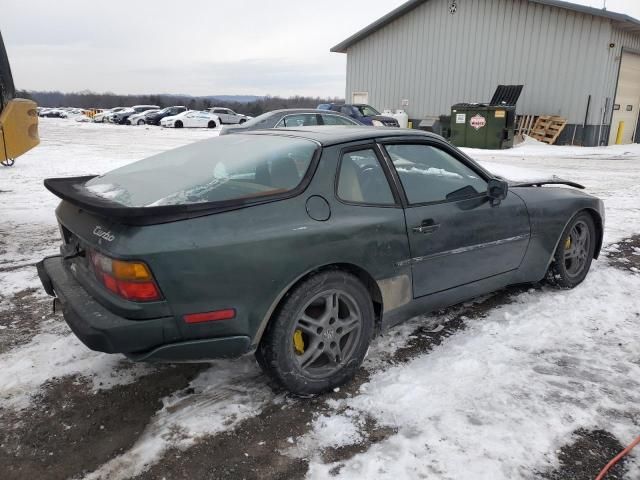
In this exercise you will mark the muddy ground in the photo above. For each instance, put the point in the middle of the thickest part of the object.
(70, 430)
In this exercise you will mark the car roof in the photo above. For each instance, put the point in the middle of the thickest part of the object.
(331, 135)
(301, 110)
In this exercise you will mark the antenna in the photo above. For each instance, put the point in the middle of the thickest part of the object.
(604, 4)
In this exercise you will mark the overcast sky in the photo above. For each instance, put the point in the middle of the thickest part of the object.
(199, 47)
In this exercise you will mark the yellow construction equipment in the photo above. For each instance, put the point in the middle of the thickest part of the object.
(18, 116)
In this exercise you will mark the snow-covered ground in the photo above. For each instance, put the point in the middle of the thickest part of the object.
(496, 400)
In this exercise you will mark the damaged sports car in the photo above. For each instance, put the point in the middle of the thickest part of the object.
(299, 245)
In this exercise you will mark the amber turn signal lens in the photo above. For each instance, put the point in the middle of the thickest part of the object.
(133, 271)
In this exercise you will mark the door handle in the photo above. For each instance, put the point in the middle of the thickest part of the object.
(427, 226)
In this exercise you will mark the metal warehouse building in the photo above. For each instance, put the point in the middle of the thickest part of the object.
(578, 62)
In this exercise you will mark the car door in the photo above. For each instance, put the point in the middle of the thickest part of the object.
(232, 117)
(457, 234)
(222, 114)
(190, 120)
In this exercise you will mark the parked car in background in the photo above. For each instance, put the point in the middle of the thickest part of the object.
(52, 113)
(365, 114)
(102, 116)
(122, 116)
(228, 116)
(140, 118)
(301, 245)
(191, 119)
(154, 118)
(292, 117)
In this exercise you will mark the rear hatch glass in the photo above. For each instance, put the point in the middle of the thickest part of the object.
(223, 169)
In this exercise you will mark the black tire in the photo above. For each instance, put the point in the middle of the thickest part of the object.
(242, 120)
(573, 256)
(338, 350)
(211, 124)
(178, 124)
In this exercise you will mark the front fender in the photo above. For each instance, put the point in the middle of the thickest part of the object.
(550, 211)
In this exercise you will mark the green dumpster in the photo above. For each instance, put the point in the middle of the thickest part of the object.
(479, 125)
(486, 125)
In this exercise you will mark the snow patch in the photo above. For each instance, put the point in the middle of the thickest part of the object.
(329, 431)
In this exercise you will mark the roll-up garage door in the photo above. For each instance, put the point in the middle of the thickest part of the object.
(627, 102)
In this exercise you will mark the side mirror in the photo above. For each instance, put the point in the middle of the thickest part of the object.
(497, 189)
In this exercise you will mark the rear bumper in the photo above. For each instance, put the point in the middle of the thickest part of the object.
(103, 331)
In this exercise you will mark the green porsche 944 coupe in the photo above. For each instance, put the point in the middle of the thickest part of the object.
(300, 246)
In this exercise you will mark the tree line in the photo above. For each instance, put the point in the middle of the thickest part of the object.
(253, 106)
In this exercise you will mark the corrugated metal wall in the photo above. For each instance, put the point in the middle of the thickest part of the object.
(435, 59)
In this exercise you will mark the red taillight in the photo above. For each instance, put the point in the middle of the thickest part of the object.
(143, 292)
(129, 280)
(109, 282)
(226, 314)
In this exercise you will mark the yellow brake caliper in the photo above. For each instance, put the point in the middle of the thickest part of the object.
(567, 243)
(298, 342)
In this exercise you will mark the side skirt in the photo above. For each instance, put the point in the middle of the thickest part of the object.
(446, 298)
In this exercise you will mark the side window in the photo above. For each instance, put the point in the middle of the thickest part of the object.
(301, 120)
(362, 180)
(336, 120)
(429, 174)
(346, 110)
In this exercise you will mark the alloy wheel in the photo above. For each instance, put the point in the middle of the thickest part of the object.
(576, 248)
(326, 333)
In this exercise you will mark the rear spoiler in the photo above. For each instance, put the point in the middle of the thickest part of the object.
(553, 181)
(72, 190)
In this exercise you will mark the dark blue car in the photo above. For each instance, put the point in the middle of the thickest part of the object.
(363, 113)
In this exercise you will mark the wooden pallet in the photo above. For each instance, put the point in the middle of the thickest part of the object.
(548, 128)
(524, 124)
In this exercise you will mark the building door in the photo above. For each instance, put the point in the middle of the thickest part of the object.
(360, 97)
(627, 102)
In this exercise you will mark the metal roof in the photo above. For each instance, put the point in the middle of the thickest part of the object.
(625, 22)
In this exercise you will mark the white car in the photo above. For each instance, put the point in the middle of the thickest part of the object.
(228, 116)
(139, 118)
(102, 116)
(191, 119)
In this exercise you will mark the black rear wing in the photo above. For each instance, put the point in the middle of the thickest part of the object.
(73, 190)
